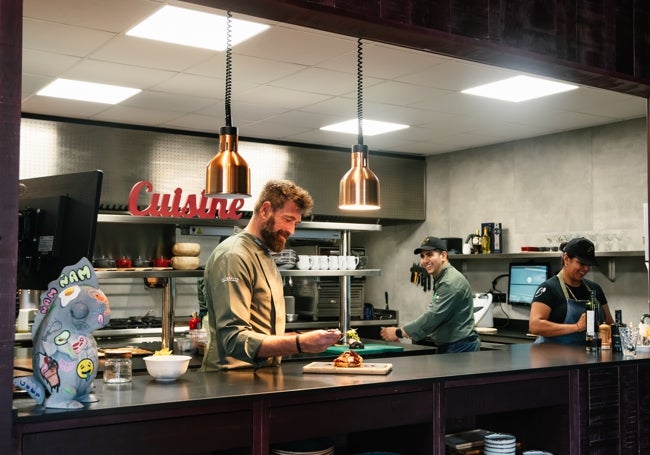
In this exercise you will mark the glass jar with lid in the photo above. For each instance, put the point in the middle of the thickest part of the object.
(118, 368)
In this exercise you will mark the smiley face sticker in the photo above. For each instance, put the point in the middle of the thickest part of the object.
(85, 369)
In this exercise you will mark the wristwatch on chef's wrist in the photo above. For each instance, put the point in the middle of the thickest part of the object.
(398, 333)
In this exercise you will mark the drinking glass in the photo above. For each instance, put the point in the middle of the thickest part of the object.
(629, 338)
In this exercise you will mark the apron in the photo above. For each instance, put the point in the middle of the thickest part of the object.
(574, 309)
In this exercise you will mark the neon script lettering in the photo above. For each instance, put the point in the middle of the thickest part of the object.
(170, 206)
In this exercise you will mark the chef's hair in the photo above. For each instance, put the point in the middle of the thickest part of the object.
(278, 192)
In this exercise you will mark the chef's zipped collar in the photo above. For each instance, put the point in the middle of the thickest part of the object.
(258, 242)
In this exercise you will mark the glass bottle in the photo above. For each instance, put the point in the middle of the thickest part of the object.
(616, 336)
(485, 241)
(476, 242)
(592, 337)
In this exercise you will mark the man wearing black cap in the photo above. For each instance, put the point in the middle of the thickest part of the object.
(558, 313)
(449, 320)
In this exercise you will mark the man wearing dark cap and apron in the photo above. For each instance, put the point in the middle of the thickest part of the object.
(558, 313)
(449, 320)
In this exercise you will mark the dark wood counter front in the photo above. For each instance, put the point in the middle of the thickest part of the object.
(407, 411)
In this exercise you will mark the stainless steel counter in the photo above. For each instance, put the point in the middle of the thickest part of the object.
(289, 378)
(253, 409)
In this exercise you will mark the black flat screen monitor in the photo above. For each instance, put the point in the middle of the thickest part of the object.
(524, 280)
(57, 221)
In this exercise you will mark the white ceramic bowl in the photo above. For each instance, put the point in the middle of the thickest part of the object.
(167, 368)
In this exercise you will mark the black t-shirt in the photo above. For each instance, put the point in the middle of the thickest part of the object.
(550, 293)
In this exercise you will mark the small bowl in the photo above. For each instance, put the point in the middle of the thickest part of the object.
(292, 317)
(167, 368)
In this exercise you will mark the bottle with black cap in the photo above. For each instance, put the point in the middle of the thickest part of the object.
(592, 337)
(616, 335)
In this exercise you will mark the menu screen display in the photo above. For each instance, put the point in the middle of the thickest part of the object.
(524, 281)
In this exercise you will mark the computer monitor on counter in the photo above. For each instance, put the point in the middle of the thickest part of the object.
(57, 220)
(524, 279)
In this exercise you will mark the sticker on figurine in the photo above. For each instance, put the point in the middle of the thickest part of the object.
(64, 356)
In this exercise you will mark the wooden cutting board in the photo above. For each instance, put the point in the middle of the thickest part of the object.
(365, 368)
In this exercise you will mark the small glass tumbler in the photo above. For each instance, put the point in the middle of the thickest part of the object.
(118, 367)
(629, 338)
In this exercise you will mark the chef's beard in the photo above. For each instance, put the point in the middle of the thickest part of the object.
(273, 239)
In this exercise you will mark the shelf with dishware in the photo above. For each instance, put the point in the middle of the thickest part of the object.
(119, 229)
(609, 257)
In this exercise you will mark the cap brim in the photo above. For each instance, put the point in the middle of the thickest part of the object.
(585, 261)
(424, 248)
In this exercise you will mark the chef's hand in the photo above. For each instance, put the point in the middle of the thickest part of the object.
(388, 333)
(582, 322)
(318, 340)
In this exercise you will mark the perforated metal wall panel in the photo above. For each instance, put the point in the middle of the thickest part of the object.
(173, 160)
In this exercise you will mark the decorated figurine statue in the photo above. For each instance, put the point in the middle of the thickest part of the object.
(64, 358)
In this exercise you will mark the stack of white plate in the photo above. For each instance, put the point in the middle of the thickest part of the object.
(308, 447)
(499, 444)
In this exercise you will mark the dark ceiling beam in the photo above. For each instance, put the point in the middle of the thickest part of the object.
(599, 43)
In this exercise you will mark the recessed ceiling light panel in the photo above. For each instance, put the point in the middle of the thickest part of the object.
(370, 127)
(187, 27)
(88, 91)
(519, 88)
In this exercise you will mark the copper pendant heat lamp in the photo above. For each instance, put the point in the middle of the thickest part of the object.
(359, 187)
(227, 174)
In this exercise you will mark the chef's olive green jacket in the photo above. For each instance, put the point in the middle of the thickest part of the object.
(245, 300)
(449, 316)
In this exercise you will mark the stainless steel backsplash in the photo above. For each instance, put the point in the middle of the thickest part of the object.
(171, 160)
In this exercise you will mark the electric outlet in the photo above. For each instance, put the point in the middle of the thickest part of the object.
(499, 297)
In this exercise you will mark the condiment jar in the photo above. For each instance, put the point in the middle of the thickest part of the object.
(118, 367)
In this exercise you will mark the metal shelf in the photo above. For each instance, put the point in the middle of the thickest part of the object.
(153, 273)
(611, 256)
(167, 273)
(540, 254)
(323, 225)
(169, 276)
(317, 273)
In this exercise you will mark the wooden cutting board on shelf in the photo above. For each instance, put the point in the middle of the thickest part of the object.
(365, 368)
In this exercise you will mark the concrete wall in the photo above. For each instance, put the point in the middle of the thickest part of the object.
(588, 182)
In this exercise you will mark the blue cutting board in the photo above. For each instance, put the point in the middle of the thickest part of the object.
(367, 349)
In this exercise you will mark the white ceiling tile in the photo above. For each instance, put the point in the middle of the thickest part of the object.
(151, 54)
(48, 64)
(166, 101)
(117, 74)
(62, 39)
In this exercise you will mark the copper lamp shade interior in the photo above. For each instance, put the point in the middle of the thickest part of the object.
(227, 174)
(359, 187)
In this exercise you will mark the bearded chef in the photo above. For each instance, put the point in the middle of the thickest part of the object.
(558, 313)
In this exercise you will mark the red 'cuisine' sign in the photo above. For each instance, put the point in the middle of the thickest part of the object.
(194, 206)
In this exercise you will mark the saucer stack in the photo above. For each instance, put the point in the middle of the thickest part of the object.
(499, 444)
(307, 447)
